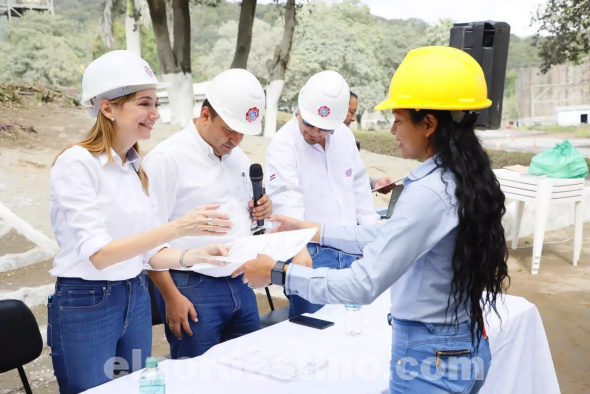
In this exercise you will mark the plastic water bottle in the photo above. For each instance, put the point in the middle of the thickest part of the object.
(353, 320)
(151, 380)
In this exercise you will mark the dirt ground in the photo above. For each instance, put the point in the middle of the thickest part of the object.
(560, 291)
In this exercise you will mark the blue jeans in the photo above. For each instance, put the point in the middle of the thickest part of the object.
(322, 257)
(433, 358)
(226, 309)
(95, 327)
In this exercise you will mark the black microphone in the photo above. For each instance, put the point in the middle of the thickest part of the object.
(256, 178)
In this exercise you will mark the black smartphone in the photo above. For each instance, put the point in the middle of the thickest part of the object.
(311, 322)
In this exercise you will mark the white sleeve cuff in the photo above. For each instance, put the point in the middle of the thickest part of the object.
(93, 245)
(297, 279)
(151, 253)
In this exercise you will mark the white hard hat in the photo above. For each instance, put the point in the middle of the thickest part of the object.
(323, 100)
(237, 96)
(116, 74)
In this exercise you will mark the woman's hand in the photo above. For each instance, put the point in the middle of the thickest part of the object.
(382, 182)
(256, 272)
(199, 255)
(204, 221)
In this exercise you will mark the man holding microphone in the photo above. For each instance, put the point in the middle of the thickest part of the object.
(199, 164)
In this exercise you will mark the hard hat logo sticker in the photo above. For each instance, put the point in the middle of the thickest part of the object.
(148, 71)
(349, 173)
(324, 111)
(252, 114)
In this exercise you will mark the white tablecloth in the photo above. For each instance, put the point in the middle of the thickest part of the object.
(521, 360)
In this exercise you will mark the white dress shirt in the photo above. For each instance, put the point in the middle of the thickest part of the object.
(94, 201)
(309, 182)
(411, 253)
(184, 174)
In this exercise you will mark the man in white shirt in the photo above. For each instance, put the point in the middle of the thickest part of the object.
(197, 166)
(314, 172)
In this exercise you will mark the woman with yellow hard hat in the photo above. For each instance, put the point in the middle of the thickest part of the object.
(442, 253)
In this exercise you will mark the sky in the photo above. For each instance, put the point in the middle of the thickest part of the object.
(517, 13)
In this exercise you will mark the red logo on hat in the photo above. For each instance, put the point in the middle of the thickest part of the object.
(148, 71)
(324, 111)
(252, 114)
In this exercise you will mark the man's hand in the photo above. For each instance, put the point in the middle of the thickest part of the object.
(303, 258)
(384, 181)
(256, 272)
(177, 312)
(286, 223)
(263, 210)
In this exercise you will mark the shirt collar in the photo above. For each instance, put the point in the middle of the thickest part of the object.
(132, 157)
(424, 169)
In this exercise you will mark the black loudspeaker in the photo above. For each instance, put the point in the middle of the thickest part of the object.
(488, 43)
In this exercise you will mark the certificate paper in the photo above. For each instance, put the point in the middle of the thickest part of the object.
(280, 246)
(295, 363)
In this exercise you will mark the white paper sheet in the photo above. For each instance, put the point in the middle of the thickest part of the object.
(280, 246)
(287, 362)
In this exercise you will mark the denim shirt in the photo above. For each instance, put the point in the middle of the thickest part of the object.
(411, 253)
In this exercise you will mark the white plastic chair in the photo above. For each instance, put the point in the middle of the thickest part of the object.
(542, 191)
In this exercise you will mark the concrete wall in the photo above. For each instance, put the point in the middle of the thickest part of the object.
(570, 85)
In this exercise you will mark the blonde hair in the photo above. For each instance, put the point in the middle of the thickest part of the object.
(101, 136)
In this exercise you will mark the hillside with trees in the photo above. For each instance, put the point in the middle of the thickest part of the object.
(345, 37)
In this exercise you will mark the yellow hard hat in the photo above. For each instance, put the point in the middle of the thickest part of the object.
(442, 78)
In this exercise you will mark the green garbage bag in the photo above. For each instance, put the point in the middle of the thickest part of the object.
(561, 161)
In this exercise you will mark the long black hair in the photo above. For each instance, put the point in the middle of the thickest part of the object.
(479, 259)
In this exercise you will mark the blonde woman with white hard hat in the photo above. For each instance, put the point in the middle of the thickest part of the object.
(102, 219)
(442, 254)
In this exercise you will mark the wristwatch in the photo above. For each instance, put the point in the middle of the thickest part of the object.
(277, 275)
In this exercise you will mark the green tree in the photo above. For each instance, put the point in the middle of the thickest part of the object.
(567, 24)
(346, 38)
(439, 34)
(277, 68)
(80, 11)
(41, 47)
(149, 51)
(510, 102)
(218, 59)
(522, 53)
(244, 36)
